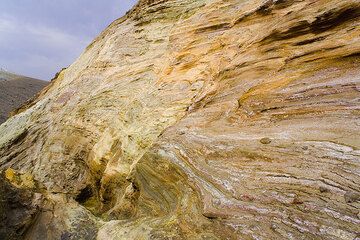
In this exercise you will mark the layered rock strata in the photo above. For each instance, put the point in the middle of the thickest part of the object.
(198, 119)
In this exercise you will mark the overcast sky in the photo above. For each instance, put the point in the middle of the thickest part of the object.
(39, 37)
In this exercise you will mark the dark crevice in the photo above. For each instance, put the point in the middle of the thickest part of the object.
(311, 53)
(301, 28)
(214, 27)
(333, 18)
(84, 195)
(326, 21)
(270, 5)
(20, 137)
(352, 55)
(308, 41)
(265, 9)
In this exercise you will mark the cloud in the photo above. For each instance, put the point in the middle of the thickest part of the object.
(5, 25)
(39, 37)
(38, 49)
(11, 27)
(55, 37)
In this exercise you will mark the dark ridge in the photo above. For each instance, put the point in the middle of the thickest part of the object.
(311, 53)
(58, 73)
(280, 4)
(271, 5)
(213, 28)
(266, 8)
(21, 137)
(334, 18)
(161, 7)
(301, 28)
(308, 41)
(353, 55)
(323, 23)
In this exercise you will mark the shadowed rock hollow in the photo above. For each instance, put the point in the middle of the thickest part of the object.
(196, 119)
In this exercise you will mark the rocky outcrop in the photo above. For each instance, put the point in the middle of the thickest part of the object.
(200, 119)
(18, 208)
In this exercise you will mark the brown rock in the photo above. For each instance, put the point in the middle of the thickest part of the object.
(18, 209)
(351, 197)
(323, 189)
(265, 140)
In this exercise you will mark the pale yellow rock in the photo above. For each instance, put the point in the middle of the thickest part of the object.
(25, 180)
(10, 174)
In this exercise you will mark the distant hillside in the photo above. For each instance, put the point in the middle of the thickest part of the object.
(16, 90)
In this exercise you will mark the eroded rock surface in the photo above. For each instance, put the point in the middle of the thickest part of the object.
(200, 119)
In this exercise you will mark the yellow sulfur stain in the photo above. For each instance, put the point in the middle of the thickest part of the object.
(10, 174)
(19, 180)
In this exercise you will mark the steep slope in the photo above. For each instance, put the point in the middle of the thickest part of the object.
(15, 90)
(196, 119)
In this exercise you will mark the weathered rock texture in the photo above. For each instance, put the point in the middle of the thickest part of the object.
(199, 119)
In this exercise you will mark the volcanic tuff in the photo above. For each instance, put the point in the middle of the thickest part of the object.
(195, 119)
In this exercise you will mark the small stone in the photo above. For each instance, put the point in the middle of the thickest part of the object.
(181, 132)
(323, 189)
(305, 148)
(273, 226)
(351, 197)
(247, 198)
(297, 201)
(217, 202)
(265, 140)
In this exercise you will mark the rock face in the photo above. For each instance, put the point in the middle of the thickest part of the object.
(198, 119)
(15, 90)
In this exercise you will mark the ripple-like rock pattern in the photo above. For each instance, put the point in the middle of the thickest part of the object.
(199, 119)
